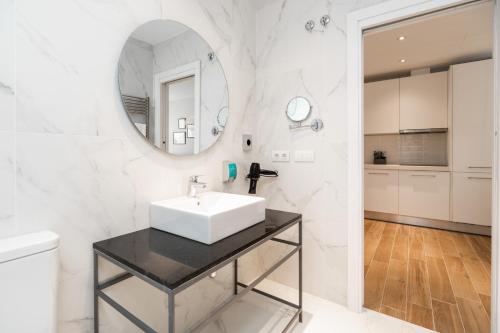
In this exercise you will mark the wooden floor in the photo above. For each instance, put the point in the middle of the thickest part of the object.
(433, 278)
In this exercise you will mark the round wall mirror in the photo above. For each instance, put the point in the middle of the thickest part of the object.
(173, 87)
(298, 109)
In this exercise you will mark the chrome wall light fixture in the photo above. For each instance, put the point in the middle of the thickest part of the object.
(324, 21)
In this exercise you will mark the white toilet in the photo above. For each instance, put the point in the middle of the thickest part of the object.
(28, 283)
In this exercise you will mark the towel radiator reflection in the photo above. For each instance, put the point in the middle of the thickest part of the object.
(137, 106)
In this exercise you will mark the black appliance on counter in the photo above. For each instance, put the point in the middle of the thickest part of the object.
(379, 157)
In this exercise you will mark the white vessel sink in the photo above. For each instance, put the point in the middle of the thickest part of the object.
(208, 219)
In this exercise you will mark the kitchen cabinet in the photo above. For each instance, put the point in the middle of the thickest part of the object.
(381, 107)
(424, 194)
(471, 198)
(381, 191)
(472, 86)
(424, 101)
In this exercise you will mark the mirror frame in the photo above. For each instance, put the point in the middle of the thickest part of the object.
(308, 113)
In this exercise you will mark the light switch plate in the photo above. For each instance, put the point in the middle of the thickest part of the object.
(280, 156)
(304, 156)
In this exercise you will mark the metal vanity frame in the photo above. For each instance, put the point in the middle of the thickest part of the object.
(237, 293)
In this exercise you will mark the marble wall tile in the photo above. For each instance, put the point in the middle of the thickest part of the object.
(7, 181)
(66, 67)
(8, 224)
(7, 64)
(85, 189)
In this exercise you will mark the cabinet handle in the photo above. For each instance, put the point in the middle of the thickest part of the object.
(478, 177)
(479, 167)
(433, 176)
(378, 173)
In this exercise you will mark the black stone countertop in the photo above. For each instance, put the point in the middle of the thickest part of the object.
(172, 260)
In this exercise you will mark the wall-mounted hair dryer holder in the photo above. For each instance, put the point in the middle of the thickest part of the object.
(255, 173)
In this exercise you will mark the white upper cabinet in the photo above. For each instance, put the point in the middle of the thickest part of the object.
(424, 101)
(472, 86)
(381, 105)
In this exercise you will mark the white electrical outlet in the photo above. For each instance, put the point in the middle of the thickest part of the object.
(280, 156)
(304, 156)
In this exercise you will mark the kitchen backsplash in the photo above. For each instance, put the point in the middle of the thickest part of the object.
(386, 143)
(409, 149)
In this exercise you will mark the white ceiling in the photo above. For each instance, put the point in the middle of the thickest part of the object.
(158, 31)
(435, 40)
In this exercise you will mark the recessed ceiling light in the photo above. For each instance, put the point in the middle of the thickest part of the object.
(401, 38)
(402, 60)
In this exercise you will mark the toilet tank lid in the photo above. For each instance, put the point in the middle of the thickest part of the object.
(26, 245)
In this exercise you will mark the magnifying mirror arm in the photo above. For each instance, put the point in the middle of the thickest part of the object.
(316, 125)
(298, 125)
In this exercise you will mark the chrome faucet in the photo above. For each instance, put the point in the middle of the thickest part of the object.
(195, 185)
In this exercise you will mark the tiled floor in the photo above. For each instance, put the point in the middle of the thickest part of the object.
(251, 314)
(433, 278)
(257, 314)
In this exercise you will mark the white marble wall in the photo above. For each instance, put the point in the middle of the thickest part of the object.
(7, 116)
(70, 160)
(290, 62)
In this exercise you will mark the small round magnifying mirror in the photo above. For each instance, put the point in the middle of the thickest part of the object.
(298, 109)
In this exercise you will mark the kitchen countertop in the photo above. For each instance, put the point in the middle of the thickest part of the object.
(407, 167)
(172, 260)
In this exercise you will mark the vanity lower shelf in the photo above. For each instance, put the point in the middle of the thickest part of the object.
(180, 263)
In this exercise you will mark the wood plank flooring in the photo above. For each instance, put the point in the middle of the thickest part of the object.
(433, 278)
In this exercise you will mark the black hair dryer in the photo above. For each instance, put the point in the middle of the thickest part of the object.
(255, 173)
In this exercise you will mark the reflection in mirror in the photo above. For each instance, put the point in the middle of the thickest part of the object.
(222, 116)
(173, 87)
(298, 109)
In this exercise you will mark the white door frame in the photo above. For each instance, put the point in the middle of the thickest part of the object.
(358, 21)
(174, 74)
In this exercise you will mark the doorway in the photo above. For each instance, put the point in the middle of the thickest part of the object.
(381, 17)
(177, 95)
(178, 113)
